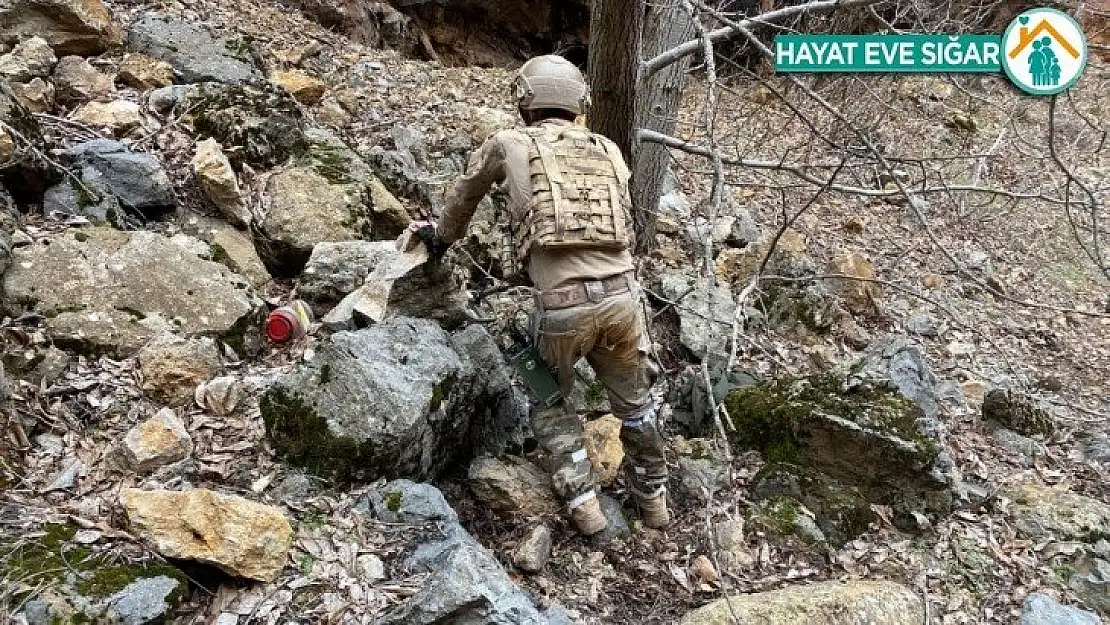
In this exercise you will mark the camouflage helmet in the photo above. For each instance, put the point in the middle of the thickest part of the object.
(551, 82)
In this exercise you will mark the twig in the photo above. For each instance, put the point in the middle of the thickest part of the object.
(42, 155)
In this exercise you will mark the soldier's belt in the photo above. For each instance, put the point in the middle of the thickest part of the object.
(590, 291)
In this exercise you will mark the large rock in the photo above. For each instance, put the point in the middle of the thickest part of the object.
(116, 174)
(218, 181)
(336, 269)
(119, 116)
(874, 429)
(405, 501)
(37, 95)
(308, 90)
(193, 51)
(395, 399)
(466, 585)
(305, 209)
(1045, 512)
(70, 26)
(532, 553)
(824, 603)
(30, 59)
(158, 441)
(22, 171)
(113, 291)
(603, 444)
(147, 600)
(76, 80)
(1091, 583)
(260, 120)
(173, 367)
(1044, 610)
(235, 249)
(239, 536)
(1019, 412)
(9, 221)
(141, 72)
(705, 312)
(512, 485)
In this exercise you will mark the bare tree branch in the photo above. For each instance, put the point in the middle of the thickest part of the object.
(690, 47)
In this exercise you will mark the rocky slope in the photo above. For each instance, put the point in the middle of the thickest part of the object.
(169, 172)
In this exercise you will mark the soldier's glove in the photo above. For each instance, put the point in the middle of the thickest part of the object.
(437, 247)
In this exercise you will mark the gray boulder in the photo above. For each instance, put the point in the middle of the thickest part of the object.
(395, 399)
(1044, 610)
(112, 176)
(465, 583)
(1019, 412)
(9, 220)
(261, 120)
(405, 501)
(467, 586)
(337, 268)
(705, 313)
(144, 600)
(874, 429)
(193, 51)
(112, 291)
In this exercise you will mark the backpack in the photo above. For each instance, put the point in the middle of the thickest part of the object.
(579, 201)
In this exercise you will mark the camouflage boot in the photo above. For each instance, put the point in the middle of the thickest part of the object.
(654, 512)
(588, 517)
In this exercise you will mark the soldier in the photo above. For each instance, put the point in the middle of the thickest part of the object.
(571, 226)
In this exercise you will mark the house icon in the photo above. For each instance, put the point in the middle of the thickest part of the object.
(1026, 37)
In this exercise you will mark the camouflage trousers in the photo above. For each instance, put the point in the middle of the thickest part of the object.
(611, 336)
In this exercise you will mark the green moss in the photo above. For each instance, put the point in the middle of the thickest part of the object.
(594, 393)
(80, 236)
(108, 580)
(219, 254)
(393, 500)
(302, 436)
(325, 374)
(332, 162)
(1064, 572)
(437, 398)
(768, 416)
(53, 558)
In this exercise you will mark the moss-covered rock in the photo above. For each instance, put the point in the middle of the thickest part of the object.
(867, 436)
(70, 582)
(841, 512)
(824, 603)
(394, 400)
(260, 118)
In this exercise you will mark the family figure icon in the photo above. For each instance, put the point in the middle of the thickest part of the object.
(1043, 64)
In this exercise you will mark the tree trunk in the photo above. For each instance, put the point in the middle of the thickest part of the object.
(616, 27)
(666, 25)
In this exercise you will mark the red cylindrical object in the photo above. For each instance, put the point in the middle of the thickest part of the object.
(289, 322)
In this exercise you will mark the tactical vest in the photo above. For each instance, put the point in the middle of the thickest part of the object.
(578, 198)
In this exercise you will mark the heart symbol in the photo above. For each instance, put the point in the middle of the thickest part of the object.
(1024, 19)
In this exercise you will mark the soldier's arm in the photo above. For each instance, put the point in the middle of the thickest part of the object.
(486, 167)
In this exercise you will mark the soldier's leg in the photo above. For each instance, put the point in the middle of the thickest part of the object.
(621, 363)
(558, 429)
